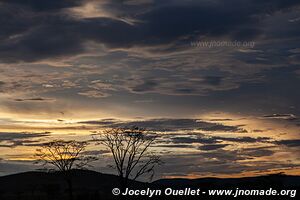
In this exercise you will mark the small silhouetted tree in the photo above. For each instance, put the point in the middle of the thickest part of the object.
(64, 156)
(130, 150)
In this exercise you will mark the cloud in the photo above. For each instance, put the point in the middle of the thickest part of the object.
(218, 127)
(146, 86)
(174, 146)
(258, 131)
(99, 89)
(220, 161)
(213, 80)
(51, 33)
(203, 139)
(14, 139)
(94, 94)
(211, 157)
(104, 122)
(103, 56)
(37, 99)
(96, 152)
(190, 80)
(289, 143)
(200, 139)
(170, 125)
(257, 152)
(244, 139)
(47, 5)
(42, 34)
(21, 135)
(212, 147)
(280, 116)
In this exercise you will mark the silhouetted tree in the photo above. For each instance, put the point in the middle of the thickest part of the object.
(64, 156)
(130, 151)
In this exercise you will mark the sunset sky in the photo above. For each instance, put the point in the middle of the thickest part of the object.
(70, 68)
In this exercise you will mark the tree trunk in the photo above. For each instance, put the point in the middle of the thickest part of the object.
(123, 183)
(70, 188)
(70, 185)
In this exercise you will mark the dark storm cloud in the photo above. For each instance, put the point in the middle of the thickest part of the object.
(44, 41)
(224, 155)
(257, 152)
(258, 131)
(213, 80)
(191, 19)
(236, 155)
(2, 86)
(212, 147)
(202, 139)
(11, 139)
(11, 23)
(174, 146)
(218, 127)
(168, 22)
(169, 125)
(93, 153)
(22, 135)
(270, 6)
(34, 99)
(16, 143)
(190, 140)
(145, 86)
(221, 162)
(103, 122)
(33, 35)
(45, 5)
(289, 143)
(174, 19)
(216, 151)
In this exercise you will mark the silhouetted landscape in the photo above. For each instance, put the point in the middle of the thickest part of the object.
(168, 99)
(91, 185)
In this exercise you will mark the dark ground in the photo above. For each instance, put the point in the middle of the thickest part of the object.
(90, 185)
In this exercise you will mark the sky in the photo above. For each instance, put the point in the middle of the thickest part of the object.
(218, 81)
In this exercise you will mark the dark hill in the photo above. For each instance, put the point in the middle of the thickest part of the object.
(90, 185)
(41, 185)
(275, 180)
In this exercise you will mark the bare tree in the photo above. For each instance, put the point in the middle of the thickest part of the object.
(130, 151)
(64, 156)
